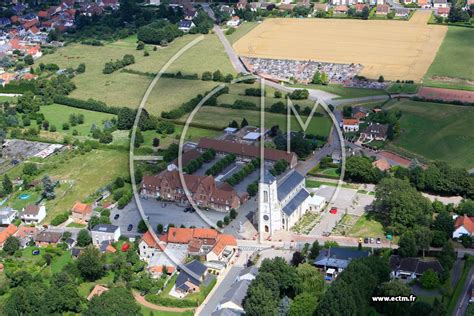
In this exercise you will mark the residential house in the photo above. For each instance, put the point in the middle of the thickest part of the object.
(360, 6)
(33, 214)
(241, 5)
(149, 246)
(249, 273)
(227, 9)
(203, 190)
(402, 12)
(26, 234)
(190, 277)
(350, 125)
(321, 7)
(382, 9)
(234, 297)
(440, 4)
(246, 152)
(70, 242)
(190, 14)
(341, 9)
(7, 215)
(334, 260)
(234, 21)
(412, 268)
(186, 25)
(359, 112)
(47, 238)
(81, 211)
(6, 232)
(224, 248)
(375, 132)
(105, 232)
(443, 12)
(254, 6)
(463, 225)
(425, 4)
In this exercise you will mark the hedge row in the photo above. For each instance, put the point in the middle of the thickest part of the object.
(221, 165)
(455, 102)
(21, 86)
(170, 302)
(244, 172)
(90, 104)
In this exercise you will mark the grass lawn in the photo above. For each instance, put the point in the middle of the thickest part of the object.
(456, 49)
(76, 225)
(7, 99)
(193, 134)
(17, 204)
(243, 29)
(310, 183)
(80, 175)
(220, 117)
(367, 226)
(343, 93)
(86, 287)
(170, 93)
(436, 132)
(58, 263)
(402, 88)
(125, 89)
(57, 114)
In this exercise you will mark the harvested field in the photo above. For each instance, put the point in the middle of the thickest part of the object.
(446, 94)
(394, 49)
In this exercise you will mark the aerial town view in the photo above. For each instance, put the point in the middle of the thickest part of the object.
(239, 157)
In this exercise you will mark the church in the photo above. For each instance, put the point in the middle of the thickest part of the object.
(284, 201)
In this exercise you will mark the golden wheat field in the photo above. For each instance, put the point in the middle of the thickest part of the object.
(395, 49)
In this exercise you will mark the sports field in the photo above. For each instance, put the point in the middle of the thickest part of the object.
(394, 49)
(436, 132)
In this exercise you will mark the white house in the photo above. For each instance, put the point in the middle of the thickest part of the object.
(234, 21)
(463, 225)
(33, 214)
(282, 204)
(249, 274)
(149, 247)
(105, 232)
(7, 216)
(186, 25)
(223, 249)
(350, 125)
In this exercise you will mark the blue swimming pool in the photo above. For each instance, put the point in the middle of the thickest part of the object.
(24, 196)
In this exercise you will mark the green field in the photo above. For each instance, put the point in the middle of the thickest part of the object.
(437, 132)
(218, 117)
(57, 114)
(193, 134)
(243, 29)
(402, 88)
(452, 59)
(366, 226)
(125, 89)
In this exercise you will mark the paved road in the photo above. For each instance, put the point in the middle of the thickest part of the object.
(463, 302)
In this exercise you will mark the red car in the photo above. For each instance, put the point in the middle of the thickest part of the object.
(333, 210)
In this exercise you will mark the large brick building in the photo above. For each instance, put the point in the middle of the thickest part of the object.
(203, 190)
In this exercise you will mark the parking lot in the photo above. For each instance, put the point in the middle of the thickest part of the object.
(160, 213)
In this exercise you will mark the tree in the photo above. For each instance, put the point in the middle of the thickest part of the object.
(381, 79)
(156, 142)
(429, 280)
(283, 272)
(316, 78)
(310, 280)
(28, 59)
(159, 228)
(444, 223)
(81, 68)
(407, 246)
(30, 169)
(297, 258)
(142, 227)
(217, 76)
(7, 185)
(11, 245)
(314, 251)
(392, 289)
(206, 76)
(256, 294)
(304, 304)
(244, 123)
(360, 169)
(234, 124)
(84, 238)
(91, 264)
(48, 188)
(116, 301)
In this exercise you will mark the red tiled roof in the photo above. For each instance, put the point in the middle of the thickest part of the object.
(466, 222)
(382, 164)
(398, 159)
(223, 241)
(42, 14)
(7, 232)
(244, 149)
(350, 121)
(81, 208)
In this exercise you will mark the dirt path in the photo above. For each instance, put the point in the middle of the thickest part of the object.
(141, 300)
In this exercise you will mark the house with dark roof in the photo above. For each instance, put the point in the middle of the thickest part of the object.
(412, 268)
(190, 277)
(47, 238)
(335, 259)
(359, 112)
(234, 297)
(375, 131)
(186, 25)
(105, 232)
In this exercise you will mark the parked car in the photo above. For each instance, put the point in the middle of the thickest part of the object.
(371, 240)
(129, 228)
(378, 240)
(116, 216)
(333, 210)
(366, 240)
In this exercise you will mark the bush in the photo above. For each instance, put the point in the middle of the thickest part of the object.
(65, 126)
(171, 302)
(59, 219)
